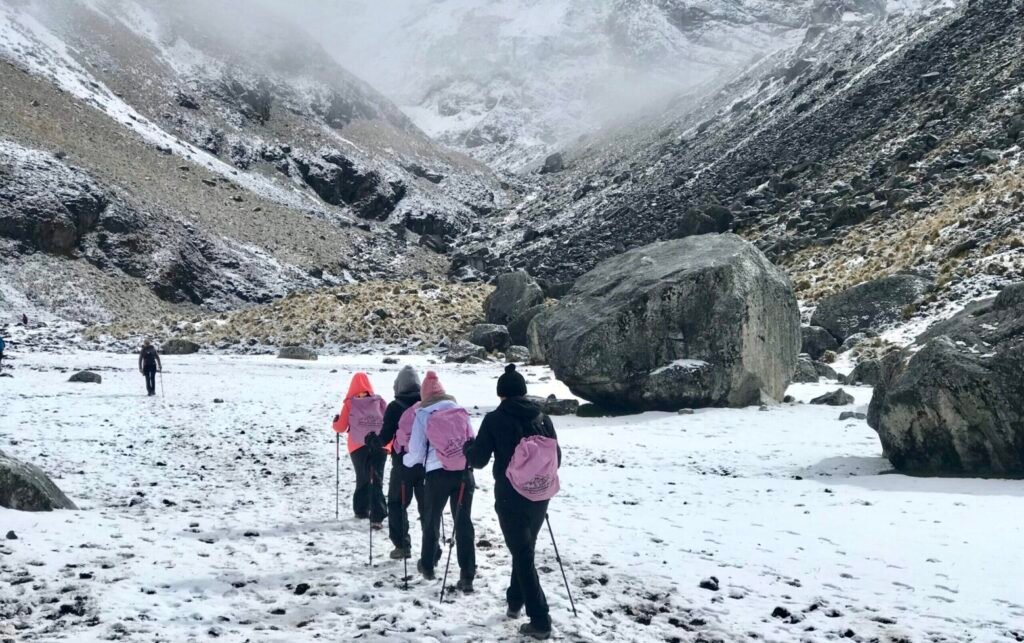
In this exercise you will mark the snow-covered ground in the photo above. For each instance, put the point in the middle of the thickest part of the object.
(788, 508)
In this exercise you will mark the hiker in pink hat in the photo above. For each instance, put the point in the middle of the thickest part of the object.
(439, 432)
(526, 459)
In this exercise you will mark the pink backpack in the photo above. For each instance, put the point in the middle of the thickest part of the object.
(365, 416)
(447, 431)
(404, 432)
(533, 469)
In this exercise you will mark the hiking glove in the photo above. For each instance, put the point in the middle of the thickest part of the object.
(373, 441)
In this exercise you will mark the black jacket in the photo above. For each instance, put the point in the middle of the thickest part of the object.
(394, 413)
(500, 433)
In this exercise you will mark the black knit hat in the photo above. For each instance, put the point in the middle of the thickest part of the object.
(511, 383)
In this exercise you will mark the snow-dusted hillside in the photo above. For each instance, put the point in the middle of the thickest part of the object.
(511, 81)
(203, 520)
(229, 158)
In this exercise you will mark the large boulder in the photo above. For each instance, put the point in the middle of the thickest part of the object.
(297, 352)
(491, 337)
(514, 294)
(24, 487)
(179, 347)
(518, 328)
(816, 341)
(805, 372)
(696, 322)
(869, 306)
(953, 403)
(462, 351)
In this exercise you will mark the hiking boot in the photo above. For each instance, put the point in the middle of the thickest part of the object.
(465, 585)
(427, 573)
(398, 553)
(534, 632)
(514, 612)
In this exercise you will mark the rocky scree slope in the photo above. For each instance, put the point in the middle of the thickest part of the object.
(153, 159)
(873, 148)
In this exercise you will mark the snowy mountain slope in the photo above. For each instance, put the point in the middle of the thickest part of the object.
(253, 155)
(511, 81)
(871, 148)
(224, 528)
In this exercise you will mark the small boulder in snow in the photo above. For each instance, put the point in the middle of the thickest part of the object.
(517, 355)
(551, 405)
(838, 397)
(24, 487)
(491, 337)
(179, 347)
(86, 377)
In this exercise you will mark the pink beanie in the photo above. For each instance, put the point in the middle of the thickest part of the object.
(431, 386)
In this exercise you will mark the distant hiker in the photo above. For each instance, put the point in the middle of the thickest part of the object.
(362, 415)
(3, 345)
(405, 483)
(149, 364)
(24, 320)
(520, 502)
(439, 431)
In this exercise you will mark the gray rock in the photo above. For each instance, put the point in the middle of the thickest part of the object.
(826, 371)
(852, 415)
(553, 164)
(701, 321)
(551, 405)
(86, 377)
(838, 397)
(852, 341)
(867, 371)
(491, 337)
(24, 487)
(805, 371)
(462, 351)
(517, 355)
(869, 306)
(817, 340)
(533, 337)
(179, 347)
(297, 352)
(514, 294)
(518, 328)
(953, 403)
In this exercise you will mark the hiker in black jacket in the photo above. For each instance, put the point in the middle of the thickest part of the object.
(404, 483)
(520, 519)
(149, 364)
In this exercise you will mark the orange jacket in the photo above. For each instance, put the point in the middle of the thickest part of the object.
(360, 384)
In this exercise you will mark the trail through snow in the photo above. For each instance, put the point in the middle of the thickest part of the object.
(232, 532)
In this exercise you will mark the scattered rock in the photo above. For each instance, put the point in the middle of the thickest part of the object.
(852, 415)
(780, 612)
(685, 411)
(701, 321)
(553, 164)
(86, 377)
(710, 584)
(462, 351)
(11, 535)
(826, 371)
(297, 352)
(301, 589)
(179, 347)
(869, 306)
(551, 405)
(517, 355)
(838, 397)
(391, 361)
(24, 487)
(816, 341)
(805, 373)
(491, 337)
(867, 371)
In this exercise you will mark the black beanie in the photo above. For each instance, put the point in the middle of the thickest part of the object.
(511, 383)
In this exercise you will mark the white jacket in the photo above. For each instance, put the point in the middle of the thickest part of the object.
(421, 451)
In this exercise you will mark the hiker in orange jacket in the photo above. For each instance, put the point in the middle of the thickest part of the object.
(362, 416)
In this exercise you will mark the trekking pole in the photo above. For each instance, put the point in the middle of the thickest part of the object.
(559, 559)
(370, 467)
(162, 395)
(337, 475)
(405, 537)
(455, 525)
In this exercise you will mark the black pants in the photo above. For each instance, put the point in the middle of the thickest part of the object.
(150, 374)
(521, 520)
(442, 488)
(403, 485)
(368, 498)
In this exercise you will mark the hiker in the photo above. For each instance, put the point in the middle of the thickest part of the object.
(149, 364)
(24, 320)
(520, 517)
(362, 413)
(405, 483)
(3, 345)
(439, 431)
